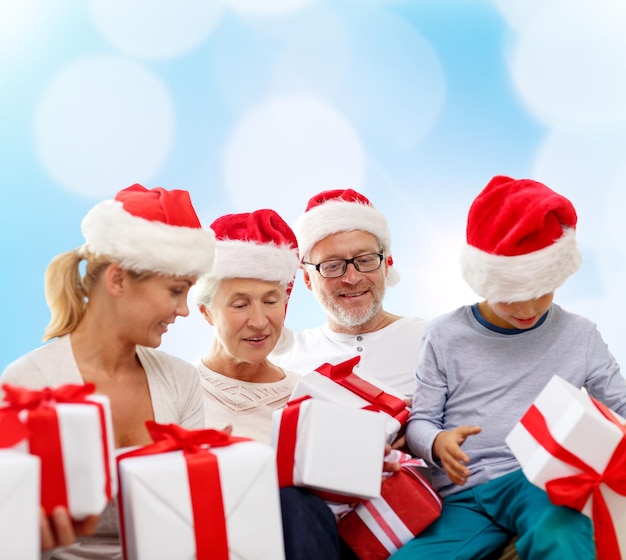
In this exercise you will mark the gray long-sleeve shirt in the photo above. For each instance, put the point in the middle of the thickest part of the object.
(469, 374)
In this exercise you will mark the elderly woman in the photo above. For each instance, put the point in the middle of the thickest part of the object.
(245, 299)
(142, 253)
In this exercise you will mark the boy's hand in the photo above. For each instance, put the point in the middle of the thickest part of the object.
(447, 448)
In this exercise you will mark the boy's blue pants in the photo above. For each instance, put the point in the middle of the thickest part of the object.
(479, 521)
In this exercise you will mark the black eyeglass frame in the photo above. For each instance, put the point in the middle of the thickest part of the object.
(346, 262)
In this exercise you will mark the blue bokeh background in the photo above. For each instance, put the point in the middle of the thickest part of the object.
(262, 103)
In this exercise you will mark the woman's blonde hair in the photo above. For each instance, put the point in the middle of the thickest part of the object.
(67, 291)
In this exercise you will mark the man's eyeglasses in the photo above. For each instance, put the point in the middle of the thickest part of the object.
(337, 267)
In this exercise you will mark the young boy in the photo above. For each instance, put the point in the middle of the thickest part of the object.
(483, 365)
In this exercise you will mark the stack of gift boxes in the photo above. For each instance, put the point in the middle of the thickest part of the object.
(331, 439)
(57, 450)
(191, 494)
(203, 493)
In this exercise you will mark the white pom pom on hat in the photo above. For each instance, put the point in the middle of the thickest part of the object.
(335, 211)
(520, 241)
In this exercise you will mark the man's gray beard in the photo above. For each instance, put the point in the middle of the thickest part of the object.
(352, 318)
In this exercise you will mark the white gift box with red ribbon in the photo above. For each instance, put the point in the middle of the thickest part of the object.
(377, 528)
(339, 384)
(574, 447)
(336, 450)
(70, 430)
(20, 535)
(200, 494)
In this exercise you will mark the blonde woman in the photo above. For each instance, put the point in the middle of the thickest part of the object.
(143, 251)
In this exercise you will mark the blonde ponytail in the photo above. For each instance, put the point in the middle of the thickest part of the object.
(67, 292)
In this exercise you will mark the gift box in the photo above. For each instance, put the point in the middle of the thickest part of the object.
(376, 528)
(20, 537)
(70, 430)
(336, 450)
(574, 447)
(339, 384)
(199, 494)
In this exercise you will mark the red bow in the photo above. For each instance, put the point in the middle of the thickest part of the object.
(575, 490)
(12, 429)
(380, 401)
(22, 398)
(172, 437)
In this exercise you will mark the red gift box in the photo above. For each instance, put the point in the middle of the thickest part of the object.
(377, 528)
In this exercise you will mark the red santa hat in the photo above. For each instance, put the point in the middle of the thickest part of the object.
(521, 241)
(335, 211)
(256, 245)
(150, 230)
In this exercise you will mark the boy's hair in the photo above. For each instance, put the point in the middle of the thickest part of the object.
(521, 241)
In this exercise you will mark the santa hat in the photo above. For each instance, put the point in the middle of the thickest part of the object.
(521, 241)
(256, 245)
(336, 211)
(150, 230)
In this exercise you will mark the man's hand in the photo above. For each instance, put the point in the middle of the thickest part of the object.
(390, 466)
(60, 530)
(447, 448)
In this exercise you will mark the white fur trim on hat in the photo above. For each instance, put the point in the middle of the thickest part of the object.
(262, 261)
(147, 246)
(508, 279)
(335, 216)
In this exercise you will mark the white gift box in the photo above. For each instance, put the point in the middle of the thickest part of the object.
(578, 425)
(157, 509)
(338, 449)
(320, 386)
(87, 454)
(20, 537)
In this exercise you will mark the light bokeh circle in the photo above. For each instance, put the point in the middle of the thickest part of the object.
(285, 150)
(156, 28)
(518, 13)
(396, 86)
(266, 8)
(101, 122)
(568, 65)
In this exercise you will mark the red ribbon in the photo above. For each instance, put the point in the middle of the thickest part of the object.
(575, 490)
(204, 482)
(286, 446)
(380, 401)
(41, 428)
(12, 430)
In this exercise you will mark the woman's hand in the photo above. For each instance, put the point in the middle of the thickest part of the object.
(447, 448)
(60, 530)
